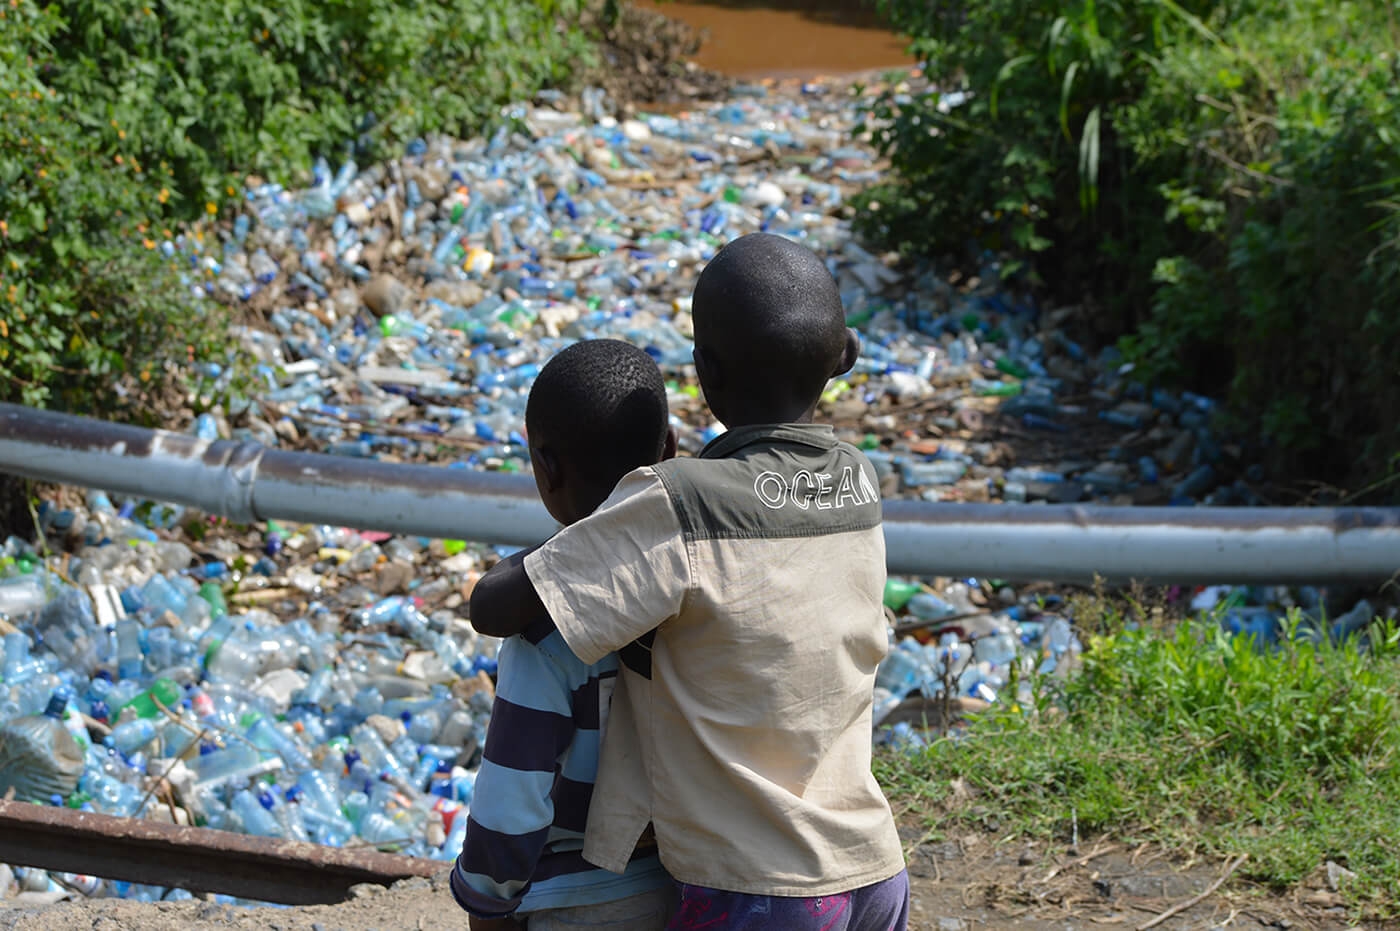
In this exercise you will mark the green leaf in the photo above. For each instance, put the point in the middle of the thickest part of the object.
(1066, 87)
(1089, 162)
(1057, 32)
(1003, 74)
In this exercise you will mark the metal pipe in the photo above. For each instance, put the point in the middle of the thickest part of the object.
(1065, 543)
(1070, 543)
(247, 481)
(197, 859)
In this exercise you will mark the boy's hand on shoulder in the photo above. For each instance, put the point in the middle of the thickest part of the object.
(494, 924)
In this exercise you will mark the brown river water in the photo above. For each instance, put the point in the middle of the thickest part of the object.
(787, 38)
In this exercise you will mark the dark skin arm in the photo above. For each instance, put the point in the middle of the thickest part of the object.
(504, 601)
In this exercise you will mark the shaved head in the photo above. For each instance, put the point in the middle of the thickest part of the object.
(768, 317)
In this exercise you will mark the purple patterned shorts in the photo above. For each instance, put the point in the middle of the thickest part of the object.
(882, 906)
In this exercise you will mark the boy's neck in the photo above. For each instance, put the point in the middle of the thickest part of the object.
(758, 418)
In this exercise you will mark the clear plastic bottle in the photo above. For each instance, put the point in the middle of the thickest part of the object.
(903, 670)
(130, 659)
(133, 735)
(256, 819)
(68, 629)
(266, 735)
(22, 595)
(19, 666)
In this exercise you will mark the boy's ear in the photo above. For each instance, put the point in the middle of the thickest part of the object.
(708, 369)
(549, 471)
(850, 354)
(668, 451)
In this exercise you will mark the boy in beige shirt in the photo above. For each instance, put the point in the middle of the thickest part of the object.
(742, 589)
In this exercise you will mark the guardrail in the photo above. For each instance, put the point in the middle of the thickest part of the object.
(246, 481)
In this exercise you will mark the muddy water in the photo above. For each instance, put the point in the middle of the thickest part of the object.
(787, 38)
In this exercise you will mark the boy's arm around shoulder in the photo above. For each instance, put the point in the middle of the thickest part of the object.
(504, 602)
(604, 581)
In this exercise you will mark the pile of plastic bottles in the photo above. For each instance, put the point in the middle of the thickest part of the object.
(317, 683)
(965, 650)
(409, 305)
(128, 687)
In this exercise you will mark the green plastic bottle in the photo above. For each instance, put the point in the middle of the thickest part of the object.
(1005, 389)
(1011, 367)
(166, 691)
(214, 595)
(898, 593)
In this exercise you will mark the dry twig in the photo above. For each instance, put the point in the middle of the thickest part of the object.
(1183, 906)
(1091, 855)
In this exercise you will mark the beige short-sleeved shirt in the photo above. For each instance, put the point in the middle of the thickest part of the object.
(743, 591)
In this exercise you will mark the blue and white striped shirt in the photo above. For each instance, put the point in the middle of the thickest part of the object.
(523, 850)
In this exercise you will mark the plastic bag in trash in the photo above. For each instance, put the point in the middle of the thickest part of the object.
(38, 757)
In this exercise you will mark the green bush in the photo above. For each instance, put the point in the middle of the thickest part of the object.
(248, 86)
(124, 118)
(82, 302)
(1216, 179)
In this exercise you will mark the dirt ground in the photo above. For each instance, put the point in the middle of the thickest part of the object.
(968, 884)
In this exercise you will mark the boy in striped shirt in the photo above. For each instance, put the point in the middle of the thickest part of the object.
(597, 411)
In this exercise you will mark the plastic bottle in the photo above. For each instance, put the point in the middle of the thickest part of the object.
(130, 659)
(144, 705)
(927, 606)
(73, 723)
(133, 735)
(998, 649)
(267, 736)
(376, 753)
(287, 815)
(22, 595)
(160, 595)
(237, 658)
(1195, 484)
(110, 794)
(903, 669)
(66, 626)
(19, 666)
(1357, 619)
(456, 837)
(256, 819)
(898, 593)
(236, 764)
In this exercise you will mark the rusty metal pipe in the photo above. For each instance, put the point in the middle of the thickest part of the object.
(246, 481)
(197, 859)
